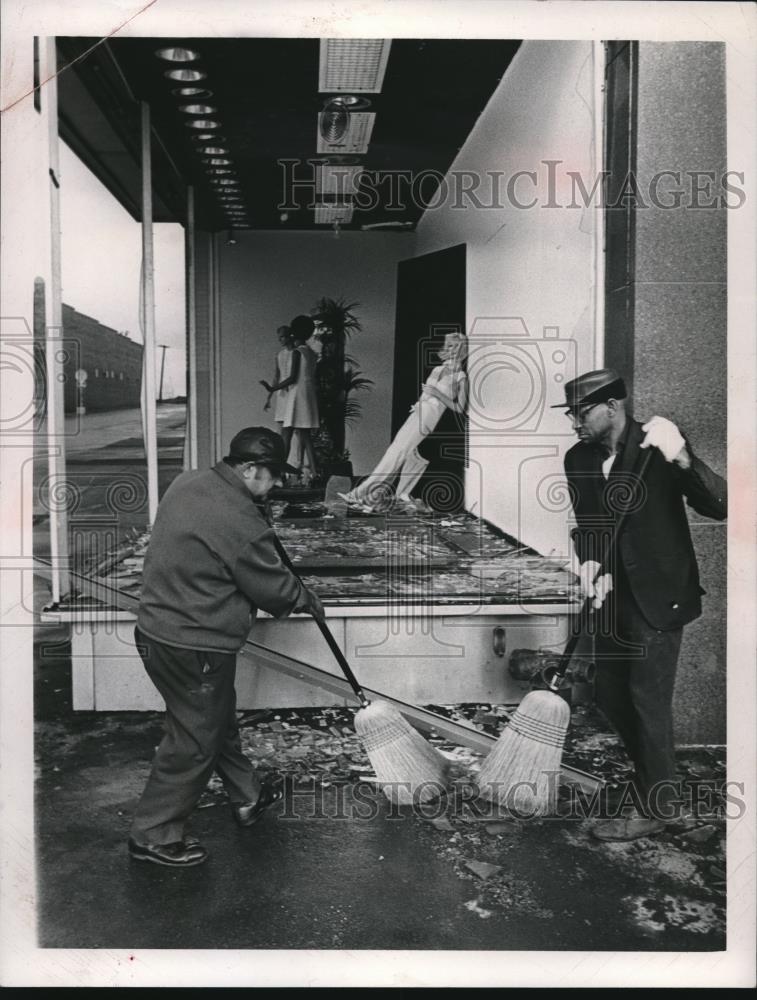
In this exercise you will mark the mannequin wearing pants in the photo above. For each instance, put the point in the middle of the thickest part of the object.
(445, 388)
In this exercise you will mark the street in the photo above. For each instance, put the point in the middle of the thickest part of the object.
(105, 491)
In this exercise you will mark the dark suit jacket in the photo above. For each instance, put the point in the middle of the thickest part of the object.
(654, 546)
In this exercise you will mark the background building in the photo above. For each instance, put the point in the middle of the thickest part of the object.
(112, 361)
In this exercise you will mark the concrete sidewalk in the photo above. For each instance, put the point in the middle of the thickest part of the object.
(335, 867)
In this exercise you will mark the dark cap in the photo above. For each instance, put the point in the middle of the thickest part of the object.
(261, 446)
(593, 387)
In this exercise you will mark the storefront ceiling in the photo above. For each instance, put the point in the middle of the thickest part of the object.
(267, 100)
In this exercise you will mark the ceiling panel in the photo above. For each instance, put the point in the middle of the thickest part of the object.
(264, 94)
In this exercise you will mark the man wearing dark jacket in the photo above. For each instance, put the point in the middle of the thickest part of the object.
(651, 587)
(211, 563)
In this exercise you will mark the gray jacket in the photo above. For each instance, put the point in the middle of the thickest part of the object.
(210, 564)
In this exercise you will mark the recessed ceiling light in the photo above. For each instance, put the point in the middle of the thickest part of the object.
(216, 161)
(203, 123)
(350, 102)
(356, 137)
(205, 136)
(198, 92)
(212, 150)
(185, 75)
(198, 109)
(218, 171)
(225, 182)
(178, 55)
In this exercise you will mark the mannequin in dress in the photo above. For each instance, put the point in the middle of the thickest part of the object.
(282, 370)
(445, 388)
(301, 411)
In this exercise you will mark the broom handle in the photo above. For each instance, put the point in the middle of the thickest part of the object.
(585, 614)
(326, 632)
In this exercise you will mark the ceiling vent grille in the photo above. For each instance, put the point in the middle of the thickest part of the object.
(356, 137)
(327, 215)
(356, 65)
(337, 182)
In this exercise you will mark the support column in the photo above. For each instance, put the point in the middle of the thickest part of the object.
(148, 324)
(666, 300)
(54, 354)
(189, 236)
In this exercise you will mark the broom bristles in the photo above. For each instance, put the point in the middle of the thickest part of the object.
(522, 769)
(408, 768)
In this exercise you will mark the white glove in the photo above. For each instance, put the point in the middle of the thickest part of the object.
(589, 588)
(663, 434)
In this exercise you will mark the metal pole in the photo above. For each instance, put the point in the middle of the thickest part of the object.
(191, 328)
(215, 297)
(162, 369)
(599, 60)
(148, 304)
(54, 353)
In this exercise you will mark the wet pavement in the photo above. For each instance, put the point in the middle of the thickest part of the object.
(335, 865)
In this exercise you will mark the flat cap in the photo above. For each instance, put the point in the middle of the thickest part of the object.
(261, 446)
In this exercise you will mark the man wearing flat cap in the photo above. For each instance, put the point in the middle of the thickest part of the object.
(211, 563)
(651, 589)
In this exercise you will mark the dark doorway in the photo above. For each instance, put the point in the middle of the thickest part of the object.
(430, 304)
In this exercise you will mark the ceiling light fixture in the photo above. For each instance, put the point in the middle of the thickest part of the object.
(225, 182)
(185, 75)
(178, 55)
(216, 161)
(199, 92)
(218, 171)
(211, 150)
(203, 123)
(198, 109)
(356, 137)
(333, 120)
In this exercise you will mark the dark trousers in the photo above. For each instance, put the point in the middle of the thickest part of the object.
(636, 669)
(201, 735)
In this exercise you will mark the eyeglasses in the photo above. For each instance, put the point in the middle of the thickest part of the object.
(581, 414)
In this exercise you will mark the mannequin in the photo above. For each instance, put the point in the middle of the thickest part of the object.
(446, 388)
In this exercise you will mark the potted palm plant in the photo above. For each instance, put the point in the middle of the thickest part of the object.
(338, 379)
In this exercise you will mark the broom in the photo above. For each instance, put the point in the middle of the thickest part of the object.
(521, 771)
(408, 768)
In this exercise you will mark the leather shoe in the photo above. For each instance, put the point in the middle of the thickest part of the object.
(180, 854)
(247, 813)
(632, 828)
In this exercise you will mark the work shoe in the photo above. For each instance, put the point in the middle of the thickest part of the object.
(180, 854)
(247, 813)
(631, 828)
